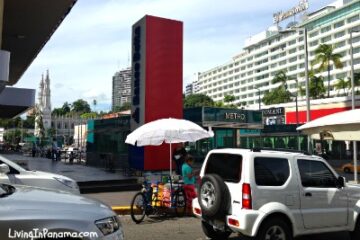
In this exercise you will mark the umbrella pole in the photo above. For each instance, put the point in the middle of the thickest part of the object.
(170, 174)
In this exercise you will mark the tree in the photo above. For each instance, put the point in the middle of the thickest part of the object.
(342, 84)
(198, 100)
(91, 115)
(278, 95)
(325, 56)
(80, 106)
(229, 98)
(64, 110)
(316, 86)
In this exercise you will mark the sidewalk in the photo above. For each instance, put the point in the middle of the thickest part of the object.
(78, 172)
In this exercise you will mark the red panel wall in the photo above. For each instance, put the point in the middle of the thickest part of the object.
(314, 114)
(163, 84)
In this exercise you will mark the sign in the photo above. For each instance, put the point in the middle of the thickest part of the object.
(280, 111)
(279, 16)
(136, 74)
(235, 116)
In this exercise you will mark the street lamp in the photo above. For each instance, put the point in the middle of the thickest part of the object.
(308, 118)
(353, 96)
(259, 98)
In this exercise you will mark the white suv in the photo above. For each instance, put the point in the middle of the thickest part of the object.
(264, 194)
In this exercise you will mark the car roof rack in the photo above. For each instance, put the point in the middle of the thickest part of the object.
(256, 149)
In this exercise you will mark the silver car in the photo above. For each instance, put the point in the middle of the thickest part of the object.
(34, 213)
(16, 174)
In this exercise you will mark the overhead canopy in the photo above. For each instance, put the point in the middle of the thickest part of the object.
(27, 26)
(338, 126)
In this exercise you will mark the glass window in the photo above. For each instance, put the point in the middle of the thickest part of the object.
(338, 24)
(316, 174)
(227, 166)
(339, 34)
(271, 171)
(353, 19)
(326, 29)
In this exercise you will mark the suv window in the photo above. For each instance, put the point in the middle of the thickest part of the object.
(316, 174)
(271, 171)
(227, 166)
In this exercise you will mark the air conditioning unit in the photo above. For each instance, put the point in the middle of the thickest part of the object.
(4, 68)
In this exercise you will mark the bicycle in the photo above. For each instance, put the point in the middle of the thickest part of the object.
(146, 202)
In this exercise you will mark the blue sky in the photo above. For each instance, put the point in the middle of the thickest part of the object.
(94, 42)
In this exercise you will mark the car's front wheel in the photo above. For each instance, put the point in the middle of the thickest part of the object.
(211, 233)
(274, 228)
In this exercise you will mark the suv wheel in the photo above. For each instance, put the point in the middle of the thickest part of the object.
(214, 197)
(211, 233)
(274, 228)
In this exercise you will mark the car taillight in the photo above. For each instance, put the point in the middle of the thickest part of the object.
(246, 196)
(197, 211)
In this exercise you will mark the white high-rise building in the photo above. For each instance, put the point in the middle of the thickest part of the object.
(121, 89)
(252, 70)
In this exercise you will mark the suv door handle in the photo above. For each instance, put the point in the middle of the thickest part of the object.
(308, 194)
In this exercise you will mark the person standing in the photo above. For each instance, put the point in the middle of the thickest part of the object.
(189, 179)
(179, 157)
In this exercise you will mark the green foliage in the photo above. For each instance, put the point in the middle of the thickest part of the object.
(124, 107)
(229, 98)
(316, 86)
(64, 110)
(198, 100)
(91, 115)
(343, 84)
(325, 56)
(80, 106)
(278, 95)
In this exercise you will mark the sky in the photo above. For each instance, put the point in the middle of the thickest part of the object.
(94, 41)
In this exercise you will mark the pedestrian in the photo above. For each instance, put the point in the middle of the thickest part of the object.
(189, 179)
(33, 150)
(179, 157)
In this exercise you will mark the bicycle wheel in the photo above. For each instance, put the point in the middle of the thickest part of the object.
(180, 203)
(138, 207)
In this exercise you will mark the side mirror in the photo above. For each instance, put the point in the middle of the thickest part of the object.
(340, 182)
(4, 168)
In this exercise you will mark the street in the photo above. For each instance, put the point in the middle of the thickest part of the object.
(161, 228)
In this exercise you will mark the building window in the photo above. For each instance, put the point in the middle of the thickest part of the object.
(326, 39)
(313, 43)
(313, 34)
(340, 44)
(339, 34)
(339, 24)
(325, 29)
(353, 19)
(291, 42)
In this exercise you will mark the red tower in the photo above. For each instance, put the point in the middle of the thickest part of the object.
(157, 63)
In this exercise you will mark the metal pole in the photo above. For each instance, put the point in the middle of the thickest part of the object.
(308, 118)
(353, 102)
(259, 99)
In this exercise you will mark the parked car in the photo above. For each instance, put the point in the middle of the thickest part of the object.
(274, 195)
(15, 174)
(349, 167)
(29, 210)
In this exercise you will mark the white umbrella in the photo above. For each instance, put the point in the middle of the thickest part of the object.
(169, 130)
(338, 126)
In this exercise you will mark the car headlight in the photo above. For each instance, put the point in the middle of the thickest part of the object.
(108, 225)
(66, 182)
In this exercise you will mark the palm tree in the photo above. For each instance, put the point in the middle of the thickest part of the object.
(316, 86)
(343, 84)
(280, 77)
(325, 56)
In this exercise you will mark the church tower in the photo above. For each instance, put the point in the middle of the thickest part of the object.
(44, 104)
